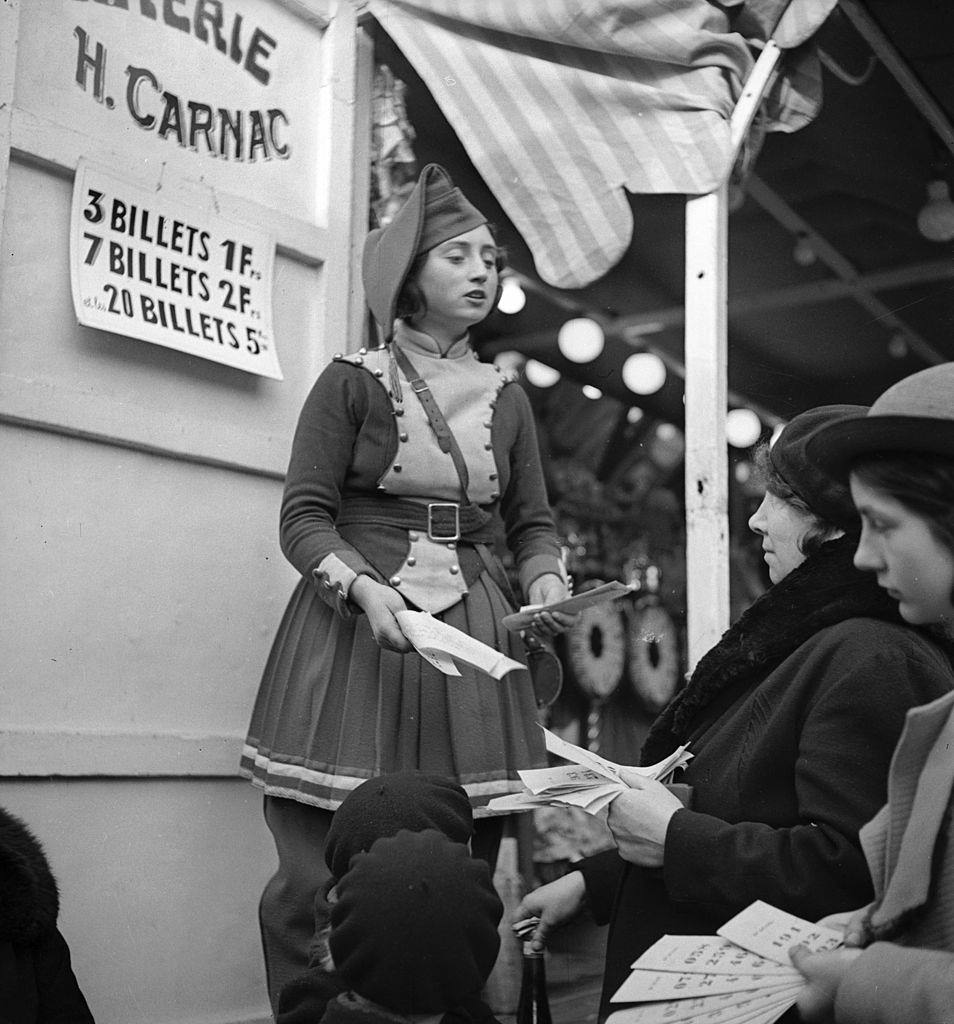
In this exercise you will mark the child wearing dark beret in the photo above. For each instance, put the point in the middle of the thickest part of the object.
(414, 933)
(378, 808)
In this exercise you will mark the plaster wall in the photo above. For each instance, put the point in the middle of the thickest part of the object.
(142, 578)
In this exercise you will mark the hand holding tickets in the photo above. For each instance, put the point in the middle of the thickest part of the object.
(591, 782)
(741, 974)
(571, 605)
(441, 644)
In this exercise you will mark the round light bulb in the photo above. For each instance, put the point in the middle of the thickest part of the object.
(580, 340)
(592, 392)
(509, 362)
(512, 297)
(936, 219)
(634, 415)
(540, 375)
(804, 252)
(898, 346)
(644, 373)
(742, 428)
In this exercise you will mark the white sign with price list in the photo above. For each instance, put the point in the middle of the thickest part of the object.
(147, 266)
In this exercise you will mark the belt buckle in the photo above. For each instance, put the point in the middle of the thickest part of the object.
(430, 521)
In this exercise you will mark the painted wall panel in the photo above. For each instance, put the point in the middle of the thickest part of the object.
(53, 370)
(147, 593)
(159, 885)
(138, 533)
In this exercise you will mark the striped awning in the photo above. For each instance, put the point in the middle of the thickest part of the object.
(564, 105)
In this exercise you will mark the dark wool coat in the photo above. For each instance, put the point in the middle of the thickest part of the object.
(37, 985)
(792, 719)
(344, 1010)
(311, 997)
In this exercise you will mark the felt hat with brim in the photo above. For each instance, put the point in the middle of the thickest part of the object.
(434, 212)
(825, 496)
(914, 415)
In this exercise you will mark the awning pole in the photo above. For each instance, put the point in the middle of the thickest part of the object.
(706, 346)
(707, 532)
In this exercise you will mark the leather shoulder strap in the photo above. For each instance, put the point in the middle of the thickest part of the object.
(445, 437)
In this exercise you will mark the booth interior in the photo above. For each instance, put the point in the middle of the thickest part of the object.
(840, 282)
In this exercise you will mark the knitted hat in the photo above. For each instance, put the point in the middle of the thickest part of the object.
(825, 496)
(389, 803)
(434, 212)
(914, 415)
(415, 925)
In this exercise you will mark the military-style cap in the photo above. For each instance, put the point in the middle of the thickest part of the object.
(435, 211)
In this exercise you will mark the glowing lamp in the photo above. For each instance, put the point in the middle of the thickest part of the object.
(580, 340)
(540, 375)
(644, 373)
(742, 428)
(509, 362)
(936, 219)
(804, 252)
(898, 346)
(512, 297)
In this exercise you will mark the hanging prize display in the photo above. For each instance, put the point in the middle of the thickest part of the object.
(652, 646)
(596, 650)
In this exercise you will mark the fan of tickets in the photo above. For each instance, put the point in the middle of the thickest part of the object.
(742, 975)
(590, 782)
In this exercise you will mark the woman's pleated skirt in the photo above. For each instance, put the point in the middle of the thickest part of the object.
(335, 709)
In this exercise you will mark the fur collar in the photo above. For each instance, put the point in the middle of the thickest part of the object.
(29, 902)
(824, 590)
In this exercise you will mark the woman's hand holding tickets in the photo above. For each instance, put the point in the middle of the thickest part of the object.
(380, 603)
(548, 589)
(639, 819)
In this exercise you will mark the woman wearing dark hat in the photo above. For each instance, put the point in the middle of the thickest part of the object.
(900, 459)
(389, 504)
(791, 717)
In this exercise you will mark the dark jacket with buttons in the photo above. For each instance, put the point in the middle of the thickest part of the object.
(351, 419)
(346, 1010)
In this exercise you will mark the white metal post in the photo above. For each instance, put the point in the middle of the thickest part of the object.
(706, 349)
(343, 186)
(707, 542)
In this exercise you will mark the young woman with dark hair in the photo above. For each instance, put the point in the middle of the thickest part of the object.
(386, 508)
(897, 966)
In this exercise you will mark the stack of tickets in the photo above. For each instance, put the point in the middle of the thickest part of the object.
(742, 974)
(590, 782)
(443, 646)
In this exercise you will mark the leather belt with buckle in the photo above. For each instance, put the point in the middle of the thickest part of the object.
(443, 521)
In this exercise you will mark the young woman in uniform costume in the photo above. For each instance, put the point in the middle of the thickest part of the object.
(380, 514)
